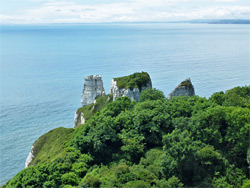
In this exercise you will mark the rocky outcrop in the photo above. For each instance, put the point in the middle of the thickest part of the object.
(79, 119)
(133, 94)
(130, 86)
(29, 158)
(185, 88)
(93, 87)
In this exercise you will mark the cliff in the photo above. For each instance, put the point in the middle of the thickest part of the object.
(86, 112)
(79, 119)
(185, 88)
(49, 146)
(93, 87)
(130, 86)
(94, 98)
(30, 157)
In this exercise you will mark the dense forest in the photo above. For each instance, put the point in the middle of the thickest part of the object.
(156, 142)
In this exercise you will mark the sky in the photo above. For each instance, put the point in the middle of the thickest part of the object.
(96, 11)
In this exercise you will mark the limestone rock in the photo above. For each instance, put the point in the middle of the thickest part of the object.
(30, 157)
(79, 119)
(184, 88)
(93, 87)
(133, 94)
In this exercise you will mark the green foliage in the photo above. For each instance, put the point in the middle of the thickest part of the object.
(237, 135)
(185, 106)
(133, 145)
(137, 184)
(248, 157)
(136, 80)
(191, 161)
(151, 119)
(182, 142)
(70, 179)
(221, 183)
(246, 183)
(172, 182)
(91, 181)
(233, 177)
(151, 94)
(44, 151)
(92, 109)
(58, 173)
(226, 128)
(119, 175)
(238, 96)
(218, 98)
(121, 104)
(209, 126)
(152, 161)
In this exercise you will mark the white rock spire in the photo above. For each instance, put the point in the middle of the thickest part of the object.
(184, 88)
(93, 87)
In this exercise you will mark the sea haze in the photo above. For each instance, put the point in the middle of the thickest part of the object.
(43, 70)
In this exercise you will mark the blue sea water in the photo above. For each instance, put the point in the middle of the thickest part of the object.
(43, 69)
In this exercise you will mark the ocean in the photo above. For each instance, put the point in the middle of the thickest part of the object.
(43, 69)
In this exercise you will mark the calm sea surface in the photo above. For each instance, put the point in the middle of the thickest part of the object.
(43, 69)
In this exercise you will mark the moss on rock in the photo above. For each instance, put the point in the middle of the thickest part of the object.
(186, 84)
(136, 80)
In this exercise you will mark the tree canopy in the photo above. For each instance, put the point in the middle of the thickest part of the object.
(156, 142)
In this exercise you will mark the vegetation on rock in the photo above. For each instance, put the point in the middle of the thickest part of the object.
(156, 142)
(136, 80)
(91, 109)
(186, 84)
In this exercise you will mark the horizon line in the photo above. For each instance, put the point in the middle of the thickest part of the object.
(193, 21)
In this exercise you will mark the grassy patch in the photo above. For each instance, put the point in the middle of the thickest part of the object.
(91, 109)
(136, 80)
(51, 145)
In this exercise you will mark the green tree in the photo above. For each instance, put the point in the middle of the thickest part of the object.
(151, 119)
(238, 96)
(189, 160)
(238, 135)
(209, 126)
(172, 182)
(133, 146)
(151, 94)
(137, 184)
(70, 179)
(218, 98)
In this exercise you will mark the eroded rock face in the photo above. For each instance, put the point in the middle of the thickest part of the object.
(29, 158)
(79, 119)
(93, 87)
(133, 94)
(185, 88)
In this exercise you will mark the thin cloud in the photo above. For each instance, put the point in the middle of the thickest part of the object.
(131, 11)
